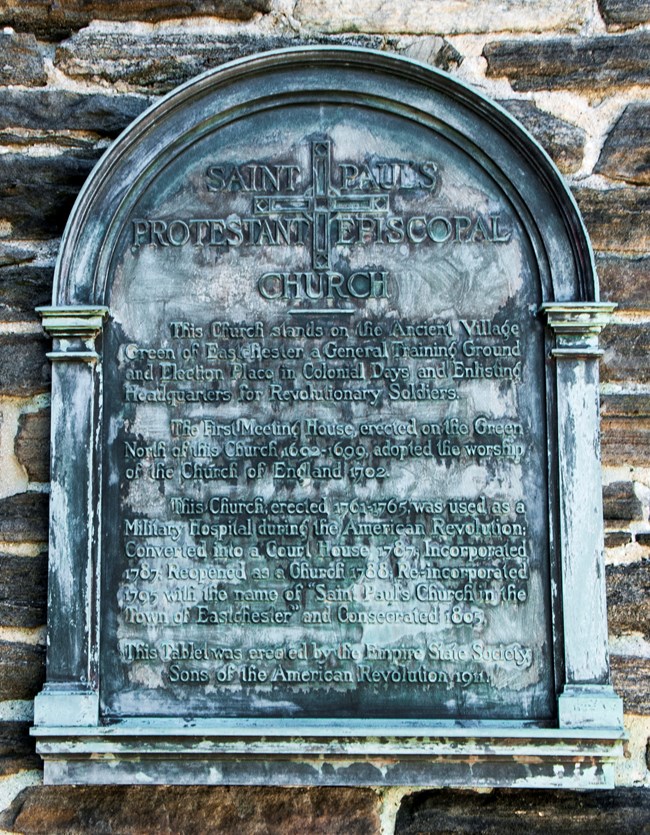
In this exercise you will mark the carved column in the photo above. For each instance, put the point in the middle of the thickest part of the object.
(70, 695)
(587, 698)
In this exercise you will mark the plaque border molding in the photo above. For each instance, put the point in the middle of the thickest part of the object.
(579, 749)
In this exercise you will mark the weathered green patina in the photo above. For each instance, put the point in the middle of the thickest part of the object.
(325, 484)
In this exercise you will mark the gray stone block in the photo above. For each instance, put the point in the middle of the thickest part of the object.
(22, 289)
(622, 14)
(23, 590)
(22, 670)
(16, 749)
(614, 539)
(564, 142)
(24, 518)
(37, 193)
(625, 405)
(12, 254)
(56, 20)
(25, 366)
(432, 50)
(626, 152)
(530, 811)
(423, 16)
(25, 280)
(21, 61)
(64, 110)
(571, 62)
(160, 61)
(621, 503)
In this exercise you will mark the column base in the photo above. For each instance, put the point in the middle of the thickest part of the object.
(66, 704)
(590, 706)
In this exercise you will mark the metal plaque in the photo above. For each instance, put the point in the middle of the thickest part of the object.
(331, 446)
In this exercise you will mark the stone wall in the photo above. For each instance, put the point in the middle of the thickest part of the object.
(73, 73)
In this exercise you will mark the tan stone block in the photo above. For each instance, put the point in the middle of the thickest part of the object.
(32, 444)
(628, 598)
(617, 218)
(141, 810)
(438, 17)
(625, 280)
(630, 676)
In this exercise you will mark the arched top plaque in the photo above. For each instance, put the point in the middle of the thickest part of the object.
(325, 480)
(358, 90)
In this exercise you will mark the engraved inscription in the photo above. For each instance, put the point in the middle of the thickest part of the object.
(326, 451)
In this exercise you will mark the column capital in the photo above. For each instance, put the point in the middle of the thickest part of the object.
(577, 326)
(75, 327)
(80, 320)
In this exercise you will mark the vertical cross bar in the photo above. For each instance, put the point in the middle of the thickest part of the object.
(321, 172)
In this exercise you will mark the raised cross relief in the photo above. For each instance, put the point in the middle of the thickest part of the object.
(321, 203)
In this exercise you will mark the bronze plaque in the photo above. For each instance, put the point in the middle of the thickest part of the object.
(325, 488)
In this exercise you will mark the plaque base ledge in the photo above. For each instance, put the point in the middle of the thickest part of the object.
(132, 728)
(319, 752)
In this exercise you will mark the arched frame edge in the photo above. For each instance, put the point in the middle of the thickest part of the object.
(71, 279)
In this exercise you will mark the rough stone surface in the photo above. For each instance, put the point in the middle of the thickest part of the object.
(627, 353)
(625, 429)
(32, 444)
(58, 19)
(625, 405)
(32, 138)
(64, 110)
(13, 254)
(22, 289)
(531, 811)
(617, 219)
(37, 202)
(174, 809)
(22, 670)
(23, 590)
(429, 49)
(164, 60)
(624, 13)
(621, 503)
(563, 141)
(21, 61)
(571, 62)
(25, 366)
(626, 152)
(37, 193)
(24, 518)
(614, 539)
(453, 17)
(16, 749)
(630, 676)
(628, 598)
(625, 281)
